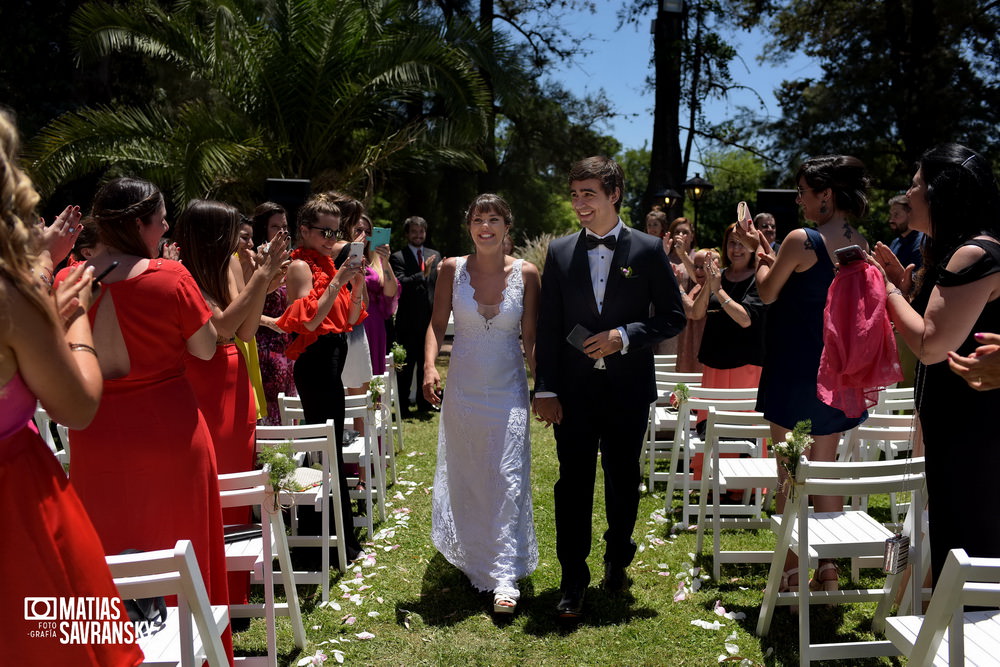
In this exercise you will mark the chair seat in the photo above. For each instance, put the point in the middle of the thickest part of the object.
(161, 646)
(747, 473)
(982, 636)
(840, 534)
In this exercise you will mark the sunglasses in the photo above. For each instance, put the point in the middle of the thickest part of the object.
(327, 232)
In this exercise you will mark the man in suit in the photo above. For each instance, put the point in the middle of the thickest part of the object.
(595, 377)
(416, 268)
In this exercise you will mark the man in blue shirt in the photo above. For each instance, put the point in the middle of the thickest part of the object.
(909, 245)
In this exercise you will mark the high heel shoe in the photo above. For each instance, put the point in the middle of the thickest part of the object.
(821, 583)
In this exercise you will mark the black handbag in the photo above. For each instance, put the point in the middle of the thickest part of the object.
(150, 610)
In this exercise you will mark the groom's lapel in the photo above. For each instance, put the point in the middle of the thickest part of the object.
(579, 272)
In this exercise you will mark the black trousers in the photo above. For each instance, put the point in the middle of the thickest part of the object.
(318, 380)
(412, 339)
(597, 418)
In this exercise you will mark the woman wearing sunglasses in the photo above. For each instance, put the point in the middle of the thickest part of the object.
(324, 303)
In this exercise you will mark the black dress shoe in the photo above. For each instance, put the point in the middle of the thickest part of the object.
(615, 579)
(571, 604)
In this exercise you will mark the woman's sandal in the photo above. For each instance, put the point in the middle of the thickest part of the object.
(821, 583)
(503, 604)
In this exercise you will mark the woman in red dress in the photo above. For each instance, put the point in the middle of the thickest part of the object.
(49, 548)
(208, 233)
(144, 468)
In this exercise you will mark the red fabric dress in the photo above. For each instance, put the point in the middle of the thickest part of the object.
(49, 549)
(225, 396)
(144, 468)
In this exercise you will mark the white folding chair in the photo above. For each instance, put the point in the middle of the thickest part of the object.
(663, 422)
(386, 422)
(831, 535)
(895, 400)
(256, 555)
(174, 572)
(321, 489)
(747, 430)
(363, 451)
(686, 443)
(947, 634)
(395, 411)
(61, 447)
(665, 362)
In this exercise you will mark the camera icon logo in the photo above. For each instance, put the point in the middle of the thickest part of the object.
(40, 609)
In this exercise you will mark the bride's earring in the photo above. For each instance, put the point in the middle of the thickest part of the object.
(822, 207)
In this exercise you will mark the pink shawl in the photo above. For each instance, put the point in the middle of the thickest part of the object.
(859, 351)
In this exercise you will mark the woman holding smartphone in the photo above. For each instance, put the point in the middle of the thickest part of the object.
(324, 304)
(832, 193)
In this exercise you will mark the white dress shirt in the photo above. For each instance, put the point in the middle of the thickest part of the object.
(600, 266)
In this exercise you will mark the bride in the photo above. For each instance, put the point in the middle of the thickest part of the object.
(482, 516)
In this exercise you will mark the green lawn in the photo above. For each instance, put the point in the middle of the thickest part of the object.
(411, 607)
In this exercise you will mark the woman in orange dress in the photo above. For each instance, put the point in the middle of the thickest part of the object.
(49, 548)
(208, 233)
(144, 468)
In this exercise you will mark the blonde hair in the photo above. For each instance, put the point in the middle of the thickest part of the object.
(19, 240)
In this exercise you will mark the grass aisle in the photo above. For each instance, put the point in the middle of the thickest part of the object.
(406, 605)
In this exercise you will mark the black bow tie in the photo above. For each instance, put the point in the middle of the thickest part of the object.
(608, 241)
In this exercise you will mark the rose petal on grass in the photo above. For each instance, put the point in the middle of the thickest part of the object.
(365, 635)
(708, 625)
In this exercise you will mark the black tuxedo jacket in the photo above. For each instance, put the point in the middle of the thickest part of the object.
(416, 300)
(640, 277)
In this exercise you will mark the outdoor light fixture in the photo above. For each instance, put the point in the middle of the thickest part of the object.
(696, 188)
(669, 197)
(672, 6)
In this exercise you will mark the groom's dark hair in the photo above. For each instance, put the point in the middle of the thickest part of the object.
(604, 169)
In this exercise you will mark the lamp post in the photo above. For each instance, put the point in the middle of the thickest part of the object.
(696, 188)
(669, 197)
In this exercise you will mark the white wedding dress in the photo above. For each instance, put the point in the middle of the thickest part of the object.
(483, 522)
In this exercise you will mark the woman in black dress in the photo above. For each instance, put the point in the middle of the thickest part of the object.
(954, 200)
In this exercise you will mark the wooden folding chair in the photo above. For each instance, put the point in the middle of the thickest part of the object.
(665, 362)
(174, 572)
(947, 634)
(395, 411)
(363, 451)
(663, 422)
(830, 535)
(257, 554)
(687, 444)
(321, 489)
(746, 432)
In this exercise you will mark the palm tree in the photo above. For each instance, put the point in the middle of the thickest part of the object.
(333, 90)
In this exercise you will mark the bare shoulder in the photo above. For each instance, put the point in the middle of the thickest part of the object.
(528, 269)
(448, 267)
(964, 257)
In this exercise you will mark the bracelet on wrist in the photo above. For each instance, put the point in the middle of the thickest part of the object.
(82, 347)
(894, 290)
(723, 304)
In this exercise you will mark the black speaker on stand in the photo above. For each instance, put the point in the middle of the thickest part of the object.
(291, 193)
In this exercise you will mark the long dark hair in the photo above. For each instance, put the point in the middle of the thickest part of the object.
(116, 207)
(207, 233)
(962, 199)
(844, 175)
(261, 216)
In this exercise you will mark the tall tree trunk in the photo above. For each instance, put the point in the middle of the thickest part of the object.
(489, 180)
(665, 169)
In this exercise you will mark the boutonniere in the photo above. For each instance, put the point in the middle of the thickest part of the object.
(626, 271)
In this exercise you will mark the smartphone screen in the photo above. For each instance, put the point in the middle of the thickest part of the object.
(380, 236)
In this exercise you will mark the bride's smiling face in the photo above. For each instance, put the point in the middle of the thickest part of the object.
(487, 228)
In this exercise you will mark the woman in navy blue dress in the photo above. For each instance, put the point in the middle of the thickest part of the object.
(832, 193)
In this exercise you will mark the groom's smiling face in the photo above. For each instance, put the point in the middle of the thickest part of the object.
(594, 208)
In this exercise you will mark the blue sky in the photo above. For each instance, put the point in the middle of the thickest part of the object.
(620, 62)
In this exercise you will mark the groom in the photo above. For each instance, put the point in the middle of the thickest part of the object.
(594, 378)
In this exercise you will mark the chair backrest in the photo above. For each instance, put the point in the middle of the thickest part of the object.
(173, 572)
(729, 424)
(845, 478)
(665, 362)
(289, 409)
(964, 581)
(895, 399)
(667, 381)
